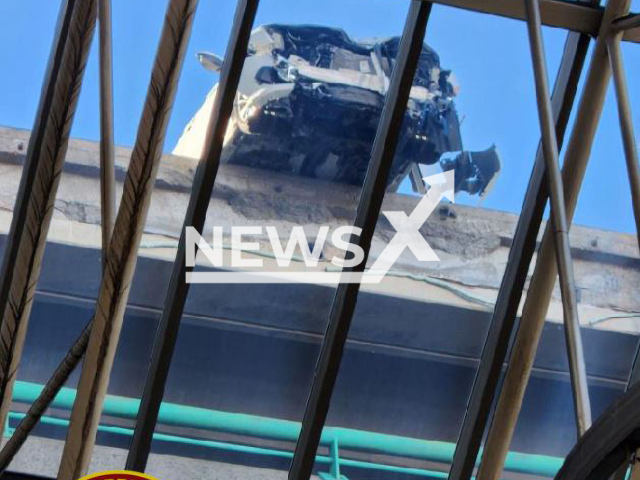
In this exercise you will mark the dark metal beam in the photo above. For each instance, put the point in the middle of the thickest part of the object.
(39, 184)
(125, 240)
(544, 276)
(626, 23)
(58, 379)
(524, 242)
(107, 161)
(571, 15)
(176, 296)
(371, 197)
(632, 35)
(576, 16)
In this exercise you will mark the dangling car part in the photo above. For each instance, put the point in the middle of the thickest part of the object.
(309, 102)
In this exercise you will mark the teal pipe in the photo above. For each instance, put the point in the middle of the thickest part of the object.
(276, 429)
(241, 448)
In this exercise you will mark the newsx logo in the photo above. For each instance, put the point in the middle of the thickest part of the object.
(407, 236)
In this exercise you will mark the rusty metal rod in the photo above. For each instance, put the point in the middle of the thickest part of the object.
(107, 196)
(59, 377)
(583, 17)
(107, 163)
(558, 219)
(33, 209)
(125, 240)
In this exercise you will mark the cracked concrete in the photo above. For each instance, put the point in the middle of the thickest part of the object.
(472, 243)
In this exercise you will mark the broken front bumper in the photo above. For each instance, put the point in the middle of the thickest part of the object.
(326, 131)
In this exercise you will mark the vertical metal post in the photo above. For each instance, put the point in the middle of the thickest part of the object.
(39, 184)
(542, 282)
(503, 320)
(167, 332)
(633, 170)
(127, 232)
(107, 164)
(107, 196)
(626, 124)
(559, 222)
(371, 197)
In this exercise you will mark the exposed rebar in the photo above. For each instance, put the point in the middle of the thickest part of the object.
(123, 247)
(39, 184)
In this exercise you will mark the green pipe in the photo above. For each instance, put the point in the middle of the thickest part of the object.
(251, 425)
(241, 448)
(61, 422)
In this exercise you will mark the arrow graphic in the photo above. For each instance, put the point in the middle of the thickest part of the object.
(408, 227)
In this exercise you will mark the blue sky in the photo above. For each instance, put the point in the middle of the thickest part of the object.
(489, 56)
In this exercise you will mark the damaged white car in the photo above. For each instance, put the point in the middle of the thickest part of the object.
(309, 102)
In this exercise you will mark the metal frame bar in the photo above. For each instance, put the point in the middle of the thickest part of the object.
(58, 379)
(107, 160)
(523, 246)
(124, 243)
(570, 15)
(632, 35)
(633, 170)
(584, 19)
(558, 219)
(370, 202)
(167, 332)
(542, 282)
(39, 184)
(627, 22)
(626, 123)
(107, 193)
(567, 14)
